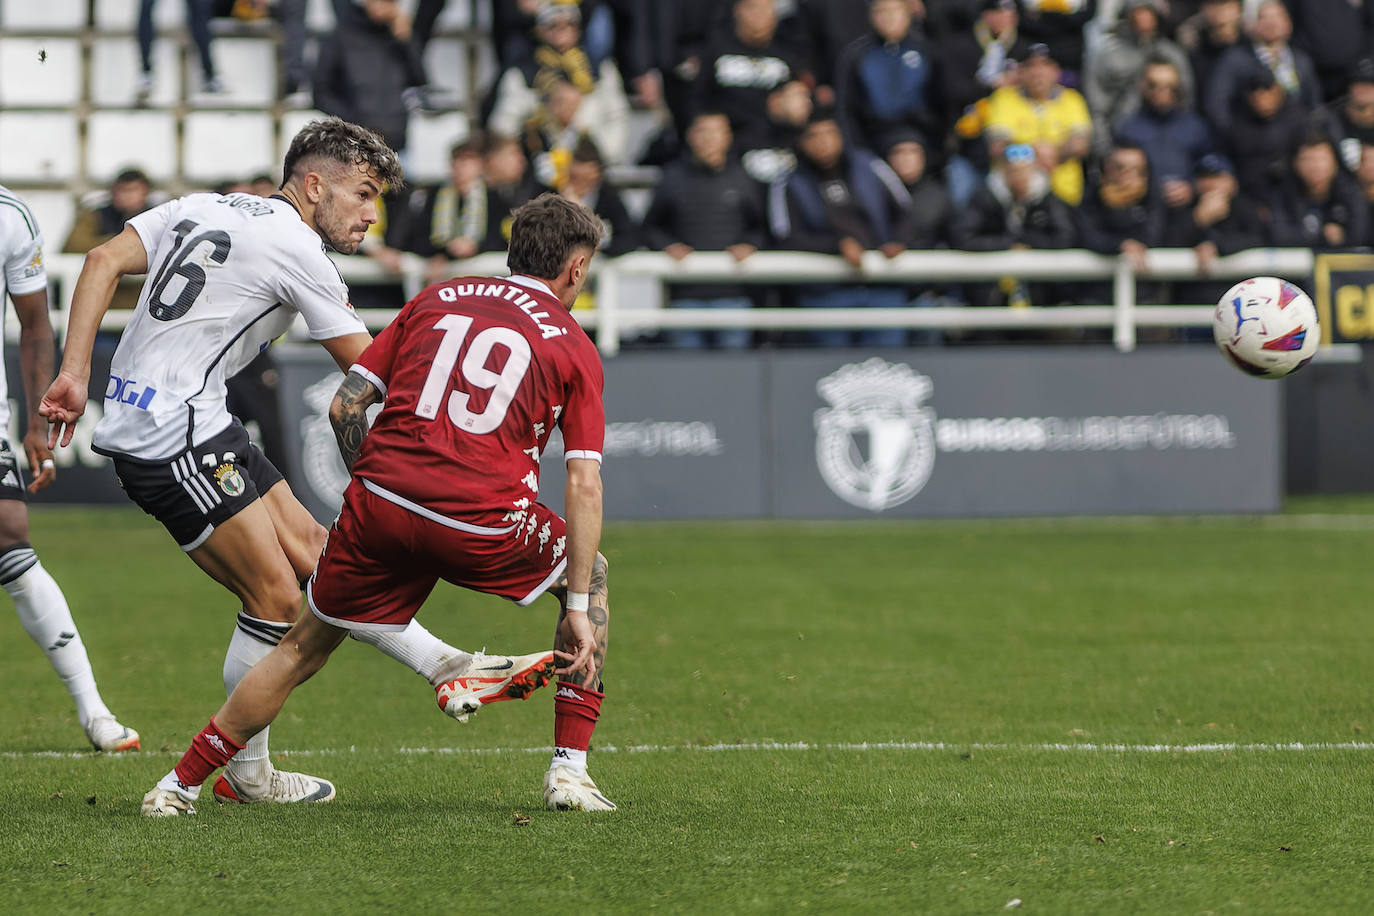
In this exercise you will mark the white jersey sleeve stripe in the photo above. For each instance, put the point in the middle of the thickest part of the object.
(588, 454)
(371, 377)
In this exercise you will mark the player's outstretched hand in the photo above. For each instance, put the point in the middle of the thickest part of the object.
(41, 465)
(63, 404)
(584, 659)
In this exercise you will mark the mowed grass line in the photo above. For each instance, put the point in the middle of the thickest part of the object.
(1020, 633)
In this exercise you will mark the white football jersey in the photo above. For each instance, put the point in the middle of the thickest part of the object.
(226, 276)
(21, 254)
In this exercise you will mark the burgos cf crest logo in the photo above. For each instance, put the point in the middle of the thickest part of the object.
(229, 480)
(875, 443)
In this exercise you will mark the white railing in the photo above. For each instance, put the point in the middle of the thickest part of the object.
(629, 291)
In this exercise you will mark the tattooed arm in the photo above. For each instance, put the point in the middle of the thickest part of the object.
(576, 629)
(348, 415)
(566, 640)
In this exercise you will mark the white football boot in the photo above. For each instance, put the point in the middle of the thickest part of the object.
(482, 678)
(280, 787)
(108, 735)
(567, 789)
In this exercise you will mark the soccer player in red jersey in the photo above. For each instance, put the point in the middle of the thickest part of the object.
(474, 373)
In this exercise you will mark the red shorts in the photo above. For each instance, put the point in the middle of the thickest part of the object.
(382, 560)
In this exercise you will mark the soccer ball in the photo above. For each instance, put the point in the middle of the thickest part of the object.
(1267, 327)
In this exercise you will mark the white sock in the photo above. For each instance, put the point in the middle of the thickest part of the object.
(572, 759)
(46, 618)
(252, 640)
(170, 783)
(415, 647)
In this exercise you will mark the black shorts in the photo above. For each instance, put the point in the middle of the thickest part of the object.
(201, 488)
(11, 478)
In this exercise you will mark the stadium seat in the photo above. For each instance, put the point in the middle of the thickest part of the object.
(222, 145)
(248, 67)
(319, 15)
(446, 64)
(122, 15)
(57, 15)
(485, 76)
(116, 140)
(55, 212)
(291, 122)
(428, 144)
(115, 67)
(457, 14)
(38, 146)
(40, 71)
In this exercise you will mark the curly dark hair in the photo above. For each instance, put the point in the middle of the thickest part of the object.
(545, 233)
(347, 144)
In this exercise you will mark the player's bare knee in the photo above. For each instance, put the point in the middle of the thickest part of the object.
(277, 599)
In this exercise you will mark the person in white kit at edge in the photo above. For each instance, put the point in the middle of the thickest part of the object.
(226, 275)
(38, 600)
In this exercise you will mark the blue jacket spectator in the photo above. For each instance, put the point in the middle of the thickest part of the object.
(1174, 139)
(886, 78)
(844, 200)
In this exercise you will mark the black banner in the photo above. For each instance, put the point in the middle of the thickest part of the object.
(1343, 290)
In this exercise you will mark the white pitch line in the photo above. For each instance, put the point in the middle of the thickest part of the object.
(767, 746)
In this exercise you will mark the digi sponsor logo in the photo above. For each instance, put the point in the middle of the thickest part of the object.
(875, 443)
(128, 391)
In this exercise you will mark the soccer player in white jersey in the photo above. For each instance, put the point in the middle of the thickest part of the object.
(226, 275)
(41, 606)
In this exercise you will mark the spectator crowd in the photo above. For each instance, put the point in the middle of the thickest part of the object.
(845, 126)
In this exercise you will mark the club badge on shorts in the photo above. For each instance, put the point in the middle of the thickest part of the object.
(229, 480)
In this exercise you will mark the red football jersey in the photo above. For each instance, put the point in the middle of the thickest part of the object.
(477, 372)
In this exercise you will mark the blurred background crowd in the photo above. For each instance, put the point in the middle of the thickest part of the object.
(843, 126)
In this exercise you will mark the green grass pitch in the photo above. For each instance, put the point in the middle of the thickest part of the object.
(1086, 715)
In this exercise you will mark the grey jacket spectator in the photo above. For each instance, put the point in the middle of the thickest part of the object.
(1112, 82)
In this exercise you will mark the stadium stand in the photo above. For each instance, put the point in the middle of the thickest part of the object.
(72, 115)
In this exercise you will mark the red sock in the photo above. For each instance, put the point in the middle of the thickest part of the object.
(575, 711)
(209, 751)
